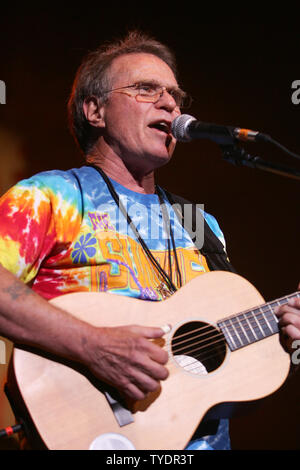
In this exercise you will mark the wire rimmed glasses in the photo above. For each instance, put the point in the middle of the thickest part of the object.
(148, 92)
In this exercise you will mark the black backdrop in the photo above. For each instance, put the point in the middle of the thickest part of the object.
(239, 74)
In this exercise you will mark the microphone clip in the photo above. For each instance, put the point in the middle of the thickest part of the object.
(239, 157)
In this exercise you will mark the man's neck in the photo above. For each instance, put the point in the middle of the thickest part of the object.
(115, 168)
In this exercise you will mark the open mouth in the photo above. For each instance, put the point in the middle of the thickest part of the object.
(164, 129)
(161, 126)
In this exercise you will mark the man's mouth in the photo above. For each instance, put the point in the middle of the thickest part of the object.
(161, 126)
(164, 129)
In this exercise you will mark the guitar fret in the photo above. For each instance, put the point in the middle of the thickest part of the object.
(234, 334)
(252, 325)
(243, 338)
(231, 343)
(263, 323)
(256, 326)
(248, 327)
(266, 319)
(270, 317)
(242, 321)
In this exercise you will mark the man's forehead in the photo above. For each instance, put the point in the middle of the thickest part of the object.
(133, 67)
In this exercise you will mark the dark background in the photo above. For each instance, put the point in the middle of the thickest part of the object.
(239, 73)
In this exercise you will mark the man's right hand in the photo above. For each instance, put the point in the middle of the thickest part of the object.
(126, 358)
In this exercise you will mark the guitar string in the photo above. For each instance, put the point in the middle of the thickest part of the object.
(221, 340)
(218, 334)
(269, 306)
(205, 331)
(198, 349)
(208, 348)
(210, 344)
(201, 356)
(263, 310)
(193, 365)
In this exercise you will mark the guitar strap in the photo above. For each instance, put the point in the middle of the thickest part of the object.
(216, 258)
(212, 249)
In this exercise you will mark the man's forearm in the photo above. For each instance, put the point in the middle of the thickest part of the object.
(122, 356)
(27, 318)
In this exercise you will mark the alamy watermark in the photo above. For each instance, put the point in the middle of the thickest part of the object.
(149, 222)
(2, 92)
(2, 352)
(296, 94)
(296, 354)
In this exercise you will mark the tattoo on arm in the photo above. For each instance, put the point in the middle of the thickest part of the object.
(17, 290)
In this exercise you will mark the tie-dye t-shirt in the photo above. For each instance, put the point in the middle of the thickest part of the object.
(62, 232)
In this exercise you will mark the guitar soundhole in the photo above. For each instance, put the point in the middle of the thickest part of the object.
(198, 347)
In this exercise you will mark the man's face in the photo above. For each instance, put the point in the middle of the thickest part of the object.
(130, 124)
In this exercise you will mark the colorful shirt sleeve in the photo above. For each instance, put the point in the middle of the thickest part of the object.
(29, 227)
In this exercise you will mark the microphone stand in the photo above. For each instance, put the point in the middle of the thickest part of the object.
(238, 156)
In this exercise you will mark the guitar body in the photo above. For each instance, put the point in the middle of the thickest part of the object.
(69, 411)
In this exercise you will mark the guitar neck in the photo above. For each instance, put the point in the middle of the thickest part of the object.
(252, 325)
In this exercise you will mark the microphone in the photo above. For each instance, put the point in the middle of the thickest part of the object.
(186, 128)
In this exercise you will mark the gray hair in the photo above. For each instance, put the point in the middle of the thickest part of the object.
(92, 79)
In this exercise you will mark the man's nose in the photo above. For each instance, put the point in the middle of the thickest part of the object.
(167, 101)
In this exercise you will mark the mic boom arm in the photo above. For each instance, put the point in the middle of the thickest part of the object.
(238, 156)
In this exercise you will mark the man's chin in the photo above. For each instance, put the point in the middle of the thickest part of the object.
(160, 158)
(164, 153)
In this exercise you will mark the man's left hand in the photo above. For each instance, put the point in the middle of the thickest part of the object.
(289, 322)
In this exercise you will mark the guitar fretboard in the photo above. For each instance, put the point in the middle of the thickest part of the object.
(252, 325)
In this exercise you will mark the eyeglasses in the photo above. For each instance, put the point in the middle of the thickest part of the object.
(152, 92)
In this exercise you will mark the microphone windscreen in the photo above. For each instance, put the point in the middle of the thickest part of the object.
(179, 127)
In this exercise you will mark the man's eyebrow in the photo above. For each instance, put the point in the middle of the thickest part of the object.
(151, 81)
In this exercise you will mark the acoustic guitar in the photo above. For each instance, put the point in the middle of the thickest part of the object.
(224, 350)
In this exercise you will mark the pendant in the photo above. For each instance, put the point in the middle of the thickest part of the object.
(164, 291)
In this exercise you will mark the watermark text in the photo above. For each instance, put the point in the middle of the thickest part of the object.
(2, 92)
(296, 94)
(296, 354)
(150, 223)
(2, 352)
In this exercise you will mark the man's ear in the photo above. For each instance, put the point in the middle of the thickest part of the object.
(94, 111)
